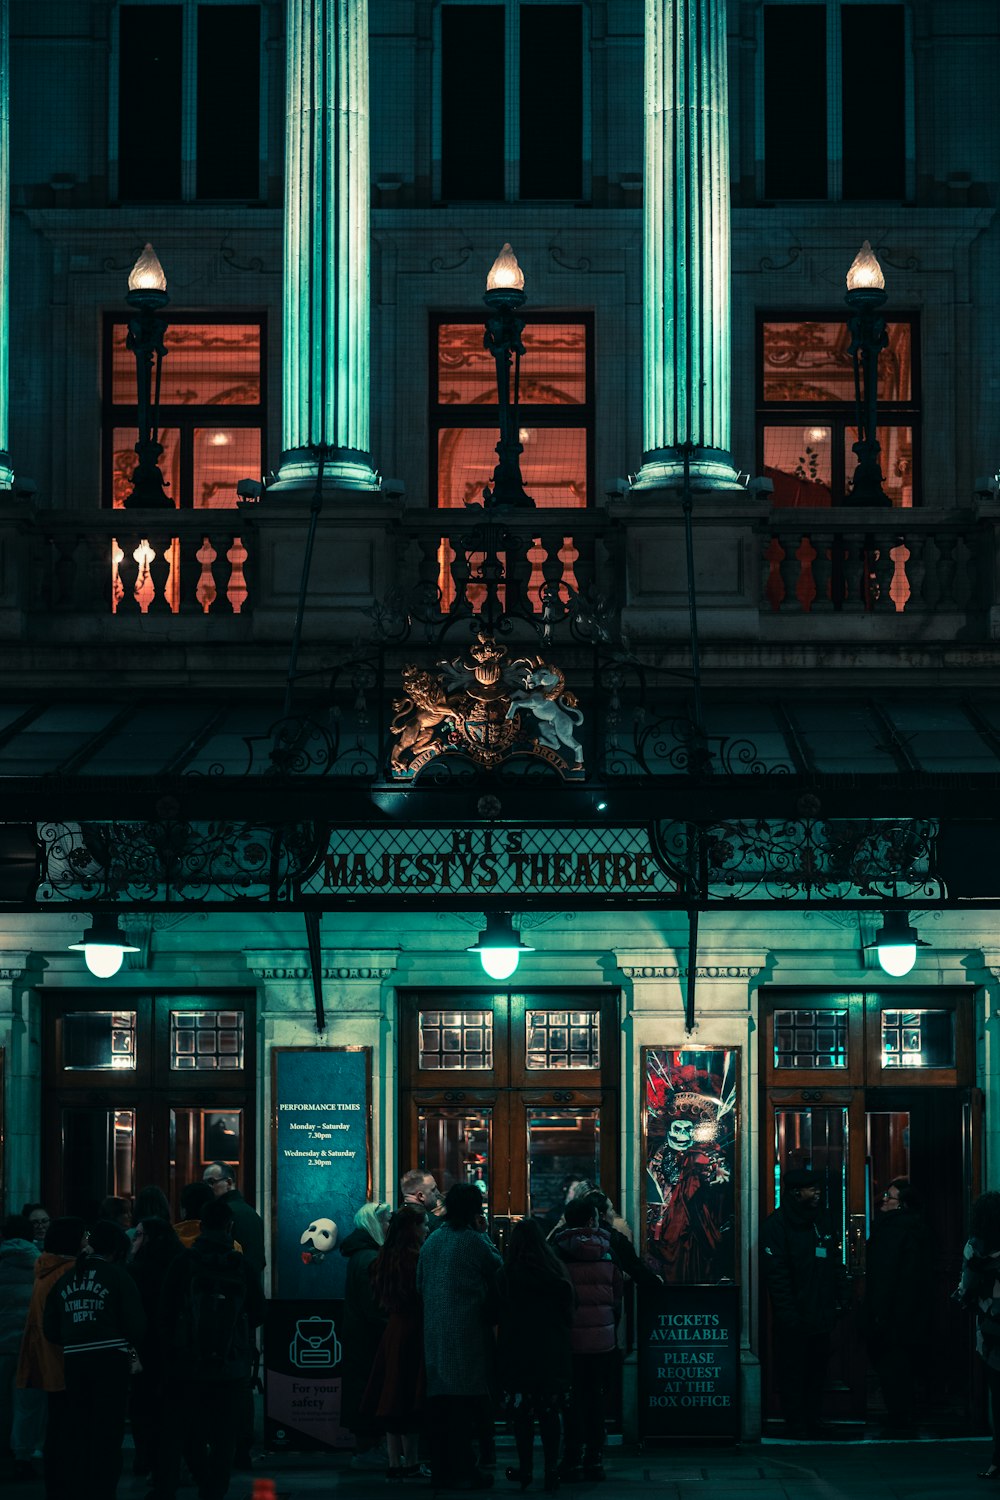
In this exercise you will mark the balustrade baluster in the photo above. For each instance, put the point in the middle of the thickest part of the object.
(947, 542)
(128, 574)
(63, 571)
(552, 565)
(881, 567)
(823, 543)
(963, 584)
(461, 572)
(517, 573)
(159, 573)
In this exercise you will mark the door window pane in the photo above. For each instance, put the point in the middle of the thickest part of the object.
(98, 1147)
(455, 1039)
(197, 1137)
(918, 1039)
(807, 361)
(562, 1039)
(454, 1146)
(816, 1138)
(810, 1039)
(795, 101)
(563, 1144)
(149, 101)
(553, 464)
(206, 1040)
(98, 1040)
(888, 1134)
(551, 119)
(472, 135)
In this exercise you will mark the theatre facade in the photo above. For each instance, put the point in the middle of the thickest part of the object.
(538, 812)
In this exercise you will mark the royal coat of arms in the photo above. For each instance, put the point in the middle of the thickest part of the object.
(487, 708)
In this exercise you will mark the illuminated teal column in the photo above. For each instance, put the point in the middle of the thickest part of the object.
(326, 262)
(686, 362)
(6, 472)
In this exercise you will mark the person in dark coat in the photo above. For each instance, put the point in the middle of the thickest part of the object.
(395, 1394)
(535, 1303)
(248, 1233)
(979, 1289)
(897, 1287)
(20, 1429)
(154, 1248)
(585, 1248)
(456, 1276)
(207, 1388)
(808, 1288)
(95, 1315)
(362, 1330)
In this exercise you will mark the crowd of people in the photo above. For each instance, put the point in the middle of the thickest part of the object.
(132, 1318)
(438, 1328)
(129, 1318)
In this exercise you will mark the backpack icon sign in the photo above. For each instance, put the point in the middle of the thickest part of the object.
(315, 1344)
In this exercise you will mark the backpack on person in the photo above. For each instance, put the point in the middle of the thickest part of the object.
(217, 1313)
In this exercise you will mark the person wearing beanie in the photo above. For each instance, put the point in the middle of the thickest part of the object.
(808, 1289)
(96, 1316)
(40, 1366)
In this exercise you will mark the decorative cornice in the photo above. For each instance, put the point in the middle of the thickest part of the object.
(302, 971)
(679, 971)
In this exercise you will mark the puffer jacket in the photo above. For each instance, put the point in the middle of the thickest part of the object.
(40, 1367)
(17, 1280)
(597, 1281)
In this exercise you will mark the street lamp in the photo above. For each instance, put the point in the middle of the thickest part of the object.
(865, 295)
(504, 295)
(499, 946)
(897, 943)
(103, 946)
(147, 294)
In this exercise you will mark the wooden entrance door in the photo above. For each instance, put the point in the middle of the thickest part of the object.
(516, 1091)
(865, 1087)
(145, 1089)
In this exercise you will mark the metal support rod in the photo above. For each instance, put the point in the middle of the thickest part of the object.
(868, 339)
(146, 330)
(502, 340)
(312, 918)
(692, 966)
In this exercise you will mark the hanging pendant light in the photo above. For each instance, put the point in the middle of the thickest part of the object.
(897, 943)
(499, 946)
(103, 946)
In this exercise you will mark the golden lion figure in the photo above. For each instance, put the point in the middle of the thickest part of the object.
(416, 716)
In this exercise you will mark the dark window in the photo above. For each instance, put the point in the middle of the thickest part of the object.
(228, 101)
(149, 102)
(472, 95)
(188, 102)
(873, 101)
(795, 101)
(551, 122)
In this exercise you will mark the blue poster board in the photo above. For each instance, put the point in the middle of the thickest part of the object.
(322, 1146)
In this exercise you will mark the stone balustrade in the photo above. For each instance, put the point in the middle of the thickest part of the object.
(932, 572)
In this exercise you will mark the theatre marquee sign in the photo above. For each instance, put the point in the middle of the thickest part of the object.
(508, 861)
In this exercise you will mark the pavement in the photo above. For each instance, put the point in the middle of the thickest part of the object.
(913, 1469)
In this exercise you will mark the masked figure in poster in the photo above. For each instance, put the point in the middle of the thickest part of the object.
(690, 1197)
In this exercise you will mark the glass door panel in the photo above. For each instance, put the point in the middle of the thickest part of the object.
(815, 1137)
(454, 1145)
(561, 1144)
(98, 1157)
(199, 1136)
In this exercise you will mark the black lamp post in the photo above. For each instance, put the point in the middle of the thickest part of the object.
(504, 295)
(147, 294)
(865, 296)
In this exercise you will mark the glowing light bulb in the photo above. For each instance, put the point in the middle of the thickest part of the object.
(147, 275)
(865, 271)
(505, 273)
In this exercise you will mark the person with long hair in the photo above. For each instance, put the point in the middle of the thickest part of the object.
(154, 1248)
(395, 1393)
(979, 1288)
(535, 1303)
(362, 1330)
(456, 1276)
